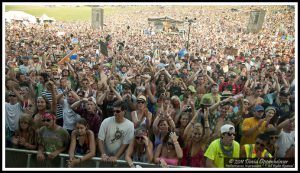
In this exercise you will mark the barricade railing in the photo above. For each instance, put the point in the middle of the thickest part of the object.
(20, 158)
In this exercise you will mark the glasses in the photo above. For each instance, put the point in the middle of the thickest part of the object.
(170, 144)
(231, 134)
(140, 102)
(138, 138)
(117, 111)
(12, 96)
(46, 120)
(273, 137)
(261, 144)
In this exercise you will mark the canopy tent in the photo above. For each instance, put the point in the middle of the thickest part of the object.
(19, 16)
(166, 24)
(45, 18)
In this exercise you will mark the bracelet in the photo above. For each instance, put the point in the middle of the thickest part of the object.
(131, 165)
(176, 143)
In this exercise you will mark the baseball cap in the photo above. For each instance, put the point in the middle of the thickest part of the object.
(141, 97)
(227, 128)
(270, 108)
(259, 108)
(141, 131)
(192, 88)
(93, 100)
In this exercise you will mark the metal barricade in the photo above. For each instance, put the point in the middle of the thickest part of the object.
(19, 158)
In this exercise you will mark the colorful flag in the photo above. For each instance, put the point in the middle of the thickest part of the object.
(67, 57)
(182, 52)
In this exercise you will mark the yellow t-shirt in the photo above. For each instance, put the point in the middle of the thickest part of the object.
(249, 123)
(215, 153)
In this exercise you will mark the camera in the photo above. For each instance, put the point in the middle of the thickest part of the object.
(188, 109)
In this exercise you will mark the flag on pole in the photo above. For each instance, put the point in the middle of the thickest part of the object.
(67, 57)
(182, 52)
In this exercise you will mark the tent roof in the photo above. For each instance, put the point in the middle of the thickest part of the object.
(166, 18)
(45, 17)
(19, 15)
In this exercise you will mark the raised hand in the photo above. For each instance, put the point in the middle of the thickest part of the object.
(173, 136)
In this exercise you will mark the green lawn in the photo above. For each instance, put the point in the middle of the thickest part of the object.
(62, 13)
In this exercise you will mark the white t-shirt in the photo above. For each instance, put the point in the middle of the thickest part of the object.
(114, 134)
(69, 116)
(284, 142)
(12, 116)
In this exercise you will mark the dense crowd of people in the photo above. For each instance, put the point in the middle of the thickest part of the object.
(146, 101)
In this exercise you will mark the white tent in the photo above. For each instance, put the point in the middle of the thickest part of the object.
(19, 15)
(44, 18)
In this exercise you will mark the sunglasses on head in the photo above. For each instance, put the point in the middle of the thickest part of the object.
(116, 111)
(46, 120)
(261, 144)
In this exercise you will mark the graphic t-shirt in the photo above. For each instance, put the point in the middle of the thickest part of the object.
(115, 134)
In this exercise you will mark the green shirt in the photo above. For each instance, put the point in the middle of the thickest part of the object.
(215, 153)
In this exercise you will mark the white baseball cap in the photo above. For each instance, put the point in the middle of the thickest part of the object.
(227, 128)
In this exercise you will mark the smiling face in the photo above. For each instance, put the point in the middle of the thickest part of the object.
(163, 125)
(41, 103)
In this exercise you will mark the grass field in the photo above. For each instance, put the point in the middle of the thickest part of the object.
(64, 13)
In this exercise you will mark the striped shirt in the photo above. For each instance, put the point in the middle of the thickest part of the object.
(48, 95)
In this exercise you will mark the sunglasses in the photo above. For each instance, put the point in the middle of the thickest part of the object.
(46, 120)
(116, 111)
(170, 144)
(230, 134)
(261, 144)
(140, 102)
(139, 138)
(273, 137)
(12, 96)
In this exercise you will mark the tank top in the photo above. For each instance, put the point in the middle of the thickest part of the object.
(170, 161)
(194, 161)
(82, 149)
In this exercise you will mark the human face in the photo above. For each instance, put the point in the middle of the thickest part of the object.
(24, 91)
(170, 144)
(228, 137)
(197, 134)
(81, 129)
(90, 106)
(48, 122)
(215, 89)
(273, 139)
(184, 120)
(260, 145)
(258, 92)
(41, 103)
(140, 104)
(24, 124)
(225, 108)
(259, 114)
(270, 113)
(119, 114)
(139, 139)
(163, 126)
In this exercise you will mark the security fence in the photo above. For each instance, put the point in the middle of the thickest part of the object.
(19, 158)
